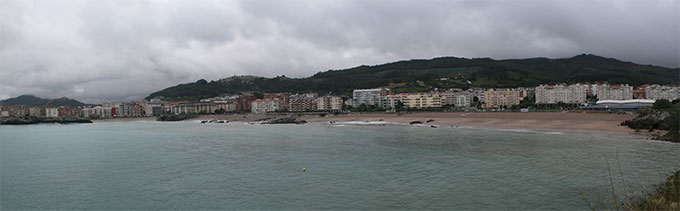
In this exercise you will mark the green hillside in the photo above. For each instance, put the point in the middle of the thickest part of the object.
(31, 100)
(64, 101)
(444, 72)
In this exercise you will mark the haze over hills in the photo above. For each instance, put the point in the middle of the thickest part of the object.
(31, 100)
(443, 72)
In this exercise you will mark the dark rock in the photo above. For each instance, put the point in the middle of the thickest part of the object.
(672, 136)
(415, 122)
(35, 120)
(264, 119)
(649, 120)
(173, 117)
(286, 120)
(431, 120)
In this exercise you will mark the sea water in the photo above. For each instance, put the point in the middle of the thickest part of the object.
(188, 165)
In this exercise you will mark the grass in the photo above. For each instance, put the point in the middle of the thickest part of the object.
(664, 196)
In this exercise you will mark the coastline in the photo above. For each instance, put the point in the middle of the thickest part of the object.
(125, 119)
(508, 120)
(566, 122)
(546, 122)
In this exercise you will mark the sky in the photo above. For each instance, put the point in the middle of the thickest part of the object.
(122, 50)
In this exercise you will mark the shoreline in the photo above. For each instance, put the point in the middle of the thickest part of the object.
(563, 122)
(532, 120)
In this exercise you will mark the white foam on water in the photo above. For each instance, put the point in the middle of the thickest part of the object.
(364, 123)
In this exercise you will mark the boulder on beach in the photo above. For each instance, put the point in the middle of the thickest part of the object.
(415, 122)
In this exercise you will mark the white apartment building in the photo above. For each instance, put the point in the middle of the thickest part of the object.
(52, 112)
(369, 96)
(612, 92)
(656, 92)
(457, 97)
(98, 111)
(391, 101)
(264, 106)
(553, 94)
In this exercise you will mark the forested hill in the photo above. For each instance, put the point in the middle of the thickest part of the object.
(444, 72)
(31, 100)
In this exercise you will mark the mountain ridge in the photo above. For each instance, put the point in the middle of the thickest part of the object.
(31, 100)
(440, 72)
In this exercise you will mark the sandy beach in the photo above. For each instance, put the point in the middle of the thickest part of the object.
(533, 120)
(573, 122)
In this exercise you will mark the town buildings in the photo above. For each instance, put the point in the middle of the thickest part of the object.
(302, 102)
(657, 92)
(391, 101)
(243, 102)
(553, 94)
(612, 92)
(457, 98)
(422, 100)
(328, 103)
(265, 105)
(609, 95)
(500, 98)
(369, 96)
(284, 99)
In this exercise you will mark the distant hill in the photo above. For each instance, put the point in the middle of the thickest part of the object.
(31, 100)
(444, 72)
(64, 101)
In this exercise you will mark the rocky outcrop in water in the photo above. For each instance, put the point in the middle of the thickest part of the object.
(24, 120)
(174, 117)
(649, 120)
(672, 136)
(286, 120)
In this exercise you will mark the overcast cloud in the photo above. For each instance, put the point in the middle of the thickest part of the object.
(97, 51)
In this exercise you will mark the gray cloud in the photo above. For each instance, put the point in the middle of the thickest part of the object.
(123, 50)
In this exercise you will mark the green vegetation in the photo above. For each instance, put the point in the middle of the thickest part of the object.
(665, 197)
(31, 100)
(444, 72)
(662, 104)
(65, 102)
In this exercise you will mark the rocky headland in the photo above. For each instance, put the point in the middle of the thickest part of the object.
(25, 120)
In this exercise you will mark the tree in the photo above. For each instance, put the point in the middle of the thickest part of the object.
(258, 95)
(527, 102)
(662, 104)
(399, 106)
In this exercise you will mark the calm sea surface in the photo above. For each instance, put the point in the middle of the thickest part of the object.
(188, 165)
